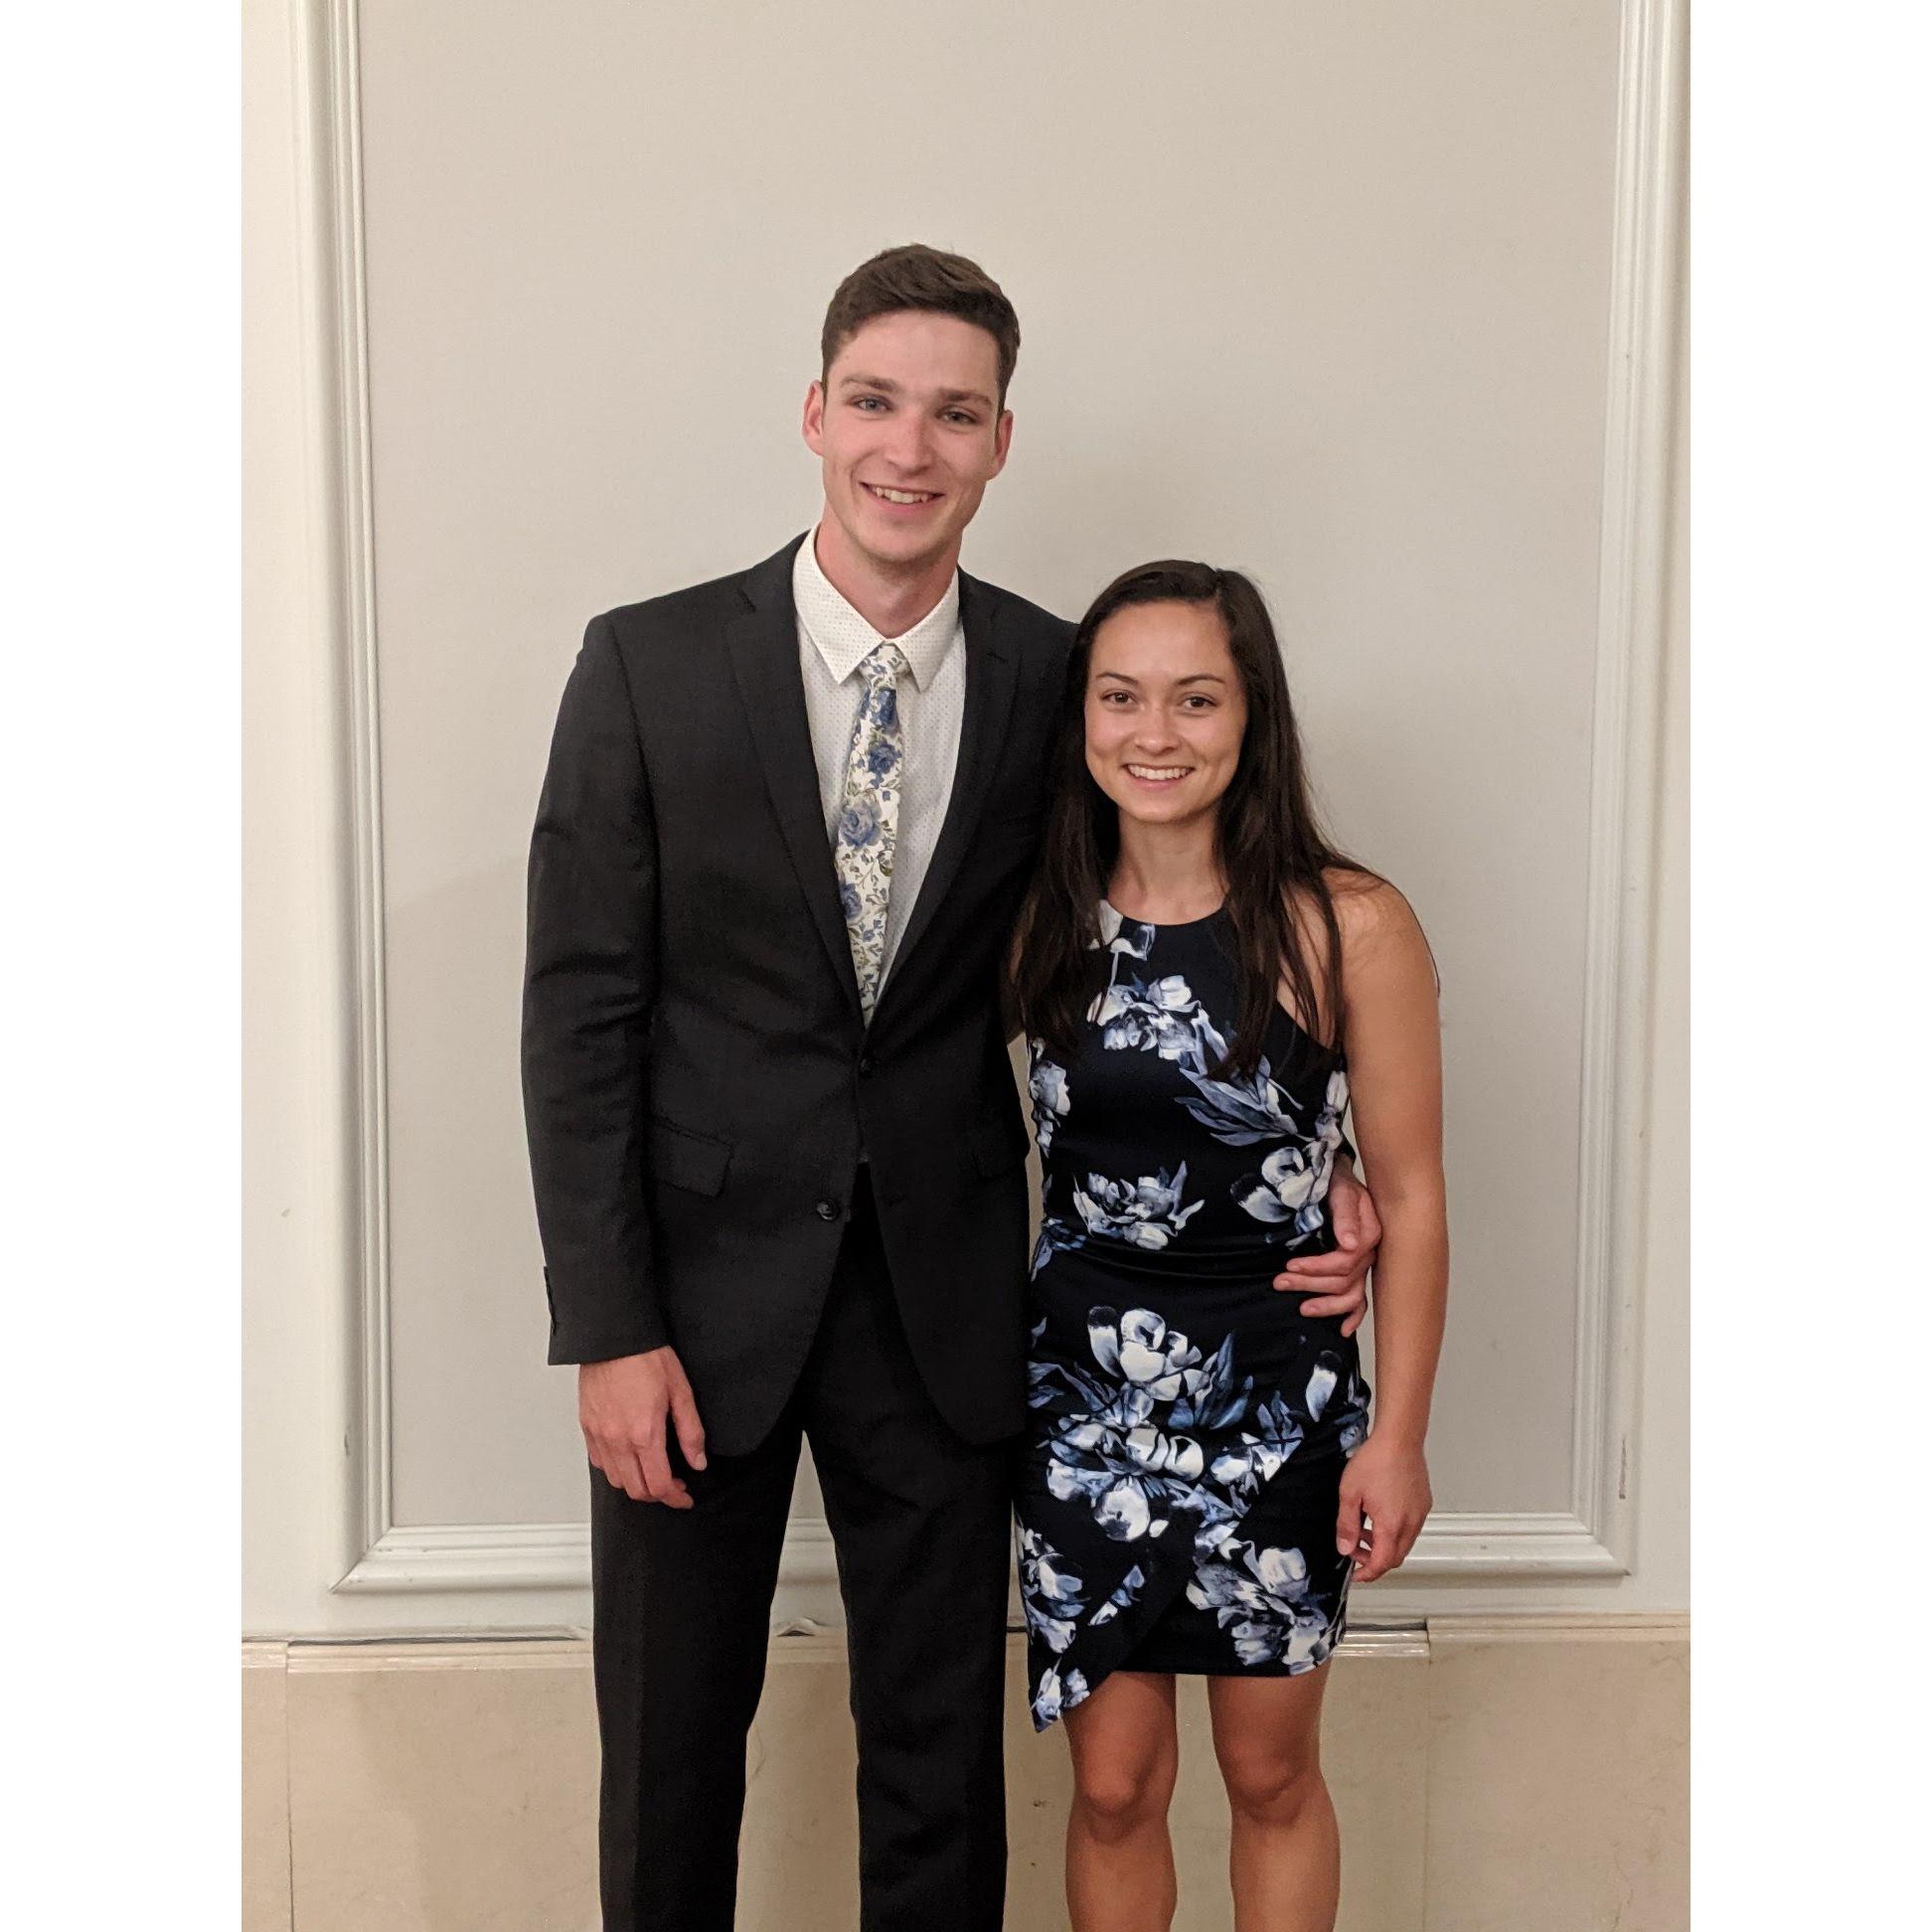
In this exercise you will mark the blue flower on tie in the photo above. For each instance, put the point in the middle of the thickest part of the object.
(849, 899)
(882, 758)
(858, 822)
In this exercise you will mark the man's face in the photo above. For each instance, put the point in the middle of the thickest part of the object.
(908, 429)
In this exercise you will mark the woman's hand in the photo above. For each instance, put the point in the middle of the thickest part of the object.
(1384, 1501)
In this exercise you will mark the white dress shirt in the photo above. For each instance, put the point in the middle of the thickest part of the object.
(833, 640)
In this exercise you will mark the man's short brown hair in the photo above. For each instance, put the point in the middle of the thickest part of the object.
(917, 277)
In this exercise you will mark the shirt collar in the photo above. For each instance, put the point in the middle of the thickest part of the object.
(844, 639)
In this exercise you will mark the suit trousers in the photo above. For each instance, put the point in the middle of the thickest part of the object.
(920, 1525)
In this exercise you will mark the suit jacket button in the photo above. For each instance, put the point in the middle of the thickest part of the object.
(828, 1210)
(864, 1064)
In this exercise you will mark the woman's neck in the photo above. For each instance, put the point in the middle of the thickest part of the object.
(1166, 875)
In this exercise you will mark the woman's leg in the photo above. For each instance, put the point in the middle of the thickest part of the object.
(1286, 1856)
(1119, 1860)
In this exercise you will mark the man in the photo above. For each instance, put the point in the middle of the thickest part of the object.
(777, 1151)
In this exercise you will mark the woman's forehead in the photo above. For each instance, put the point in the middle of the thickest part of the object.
(1164, 641)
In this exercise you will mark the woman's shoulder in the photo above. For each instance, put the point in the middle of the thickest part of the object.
(1368, 909)
(1383, 946)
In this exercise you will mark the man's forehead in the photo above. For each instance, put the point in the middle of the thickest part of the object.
(919, 347)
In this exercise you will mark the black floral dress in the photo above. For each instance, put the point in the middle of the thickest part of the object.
(1187, 1424)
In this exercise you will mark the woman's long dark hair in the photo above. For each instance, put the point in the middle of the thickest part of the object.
(1267, 840)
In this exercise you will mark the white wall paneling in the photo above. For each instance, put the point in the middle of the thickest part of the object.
(1590, 1538)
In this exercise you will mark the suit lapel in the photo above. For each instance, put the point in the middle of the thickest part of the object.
(765, 660)
(992, 676)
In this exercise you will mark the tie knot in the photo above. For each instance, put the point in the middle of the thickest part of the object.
(884, 665)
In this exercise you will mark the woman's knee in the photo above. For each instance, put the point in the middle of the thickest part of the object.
(1121, 1797)
(1272, 1786)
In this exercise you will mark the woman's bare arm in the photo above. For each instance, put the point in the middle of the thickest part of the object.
(1392, 1040)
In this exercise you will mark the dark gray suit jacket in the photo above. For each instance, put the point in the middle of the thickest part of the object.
(698, 1080)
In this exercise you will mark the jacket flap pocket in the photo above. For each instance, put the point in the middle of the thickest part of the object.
(681, 1159)
(999, 1144)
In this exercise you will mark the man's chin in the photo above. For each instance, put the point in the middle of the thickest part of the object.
(906, 549)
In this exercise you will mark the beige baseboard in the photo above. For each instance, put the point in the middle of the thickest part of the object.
(1510, 1773)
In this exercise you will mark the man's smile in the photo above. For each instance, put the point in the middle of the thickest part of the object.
(903, 498)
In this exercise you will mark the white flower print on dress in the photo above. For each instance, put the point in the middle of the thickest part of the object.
(1261, 1599)
(1321, 1386)
(1139, 1346)
(1121, 1598)
(1055, 1236)
(1046, 1088)
(1146, 1214)
(1131, 938)
(1054, 1695)
(1241, 1112)
(1163, 1014)
(1121, 1439)
(1352, 1418)
(1122, 1476)
(1271, 1435)
(1050, 1594)
(1294, 1180)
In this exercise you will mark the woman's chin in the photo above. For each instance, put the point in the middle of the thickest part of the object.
(1146, 808)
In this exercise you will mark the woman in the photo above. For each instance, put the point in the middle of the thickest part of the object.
(1206, 984)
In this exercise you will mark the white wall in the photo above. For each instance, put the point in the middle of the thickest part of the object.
(1331, 294)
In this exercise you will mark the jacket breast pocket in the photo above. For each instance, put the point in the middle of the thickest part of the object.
(681, 1158)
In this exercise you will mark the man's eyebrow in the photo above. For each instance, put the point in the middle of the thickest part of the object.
(887, 387)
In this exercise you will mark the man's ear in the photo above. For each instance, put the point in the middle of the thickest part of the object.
(813, 424)
(1002, 440)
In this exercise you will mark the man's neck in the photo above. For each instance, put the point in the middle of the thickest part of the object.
(891, 601)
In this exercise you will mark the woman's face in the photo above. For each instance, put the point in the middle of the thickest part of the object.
(1164, 711)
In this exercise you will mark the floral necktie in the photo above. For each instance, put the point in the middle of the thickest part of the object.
(867, 827)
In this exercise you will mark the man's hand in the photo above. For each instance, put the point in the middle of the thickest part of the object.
(622, 1405)
(1340, 1281)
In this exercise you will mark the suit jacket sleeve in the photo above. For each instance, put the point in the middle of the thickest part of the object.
(589, 980)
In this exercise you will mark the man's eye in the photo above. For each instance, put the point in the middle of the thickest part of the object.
(863, 402)
(963, 416)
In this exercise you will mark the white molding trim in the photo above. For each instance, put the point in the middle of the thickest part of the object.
(1641, 390)
(557, 1555)
(330, 101)
(535, 1556)
(1592, 1540)
(565, 1649)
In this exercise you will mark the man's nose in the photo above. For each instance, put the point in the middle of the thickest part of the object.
(911, 443)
